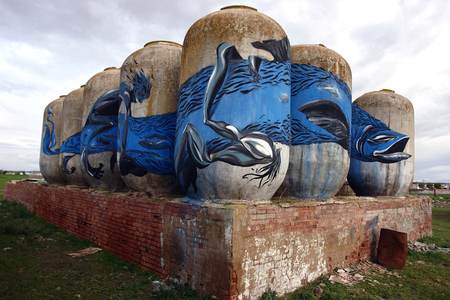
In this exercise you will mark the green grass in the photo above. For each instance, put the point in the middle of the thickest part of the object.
(426, 276)
(441, 228)
(445, 197)
(34, 264)
(5, 178)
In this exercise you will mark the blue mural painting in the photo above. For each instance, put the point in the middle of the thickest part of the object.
(321, 107)
(99, 133)
(49, 137)
(234, 112)
(72, 144)
(69, 149)
(146, 144)
(372, 140)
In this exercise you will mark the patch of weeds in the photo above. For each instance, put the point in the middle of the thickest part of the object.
(441, 228)
(36, 265)
(302, 295)
(425, 276)
(445, 197)
(269, 295)
(179, 292)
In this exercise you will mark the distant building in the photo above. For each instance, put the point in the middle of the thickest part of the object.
(415, 186)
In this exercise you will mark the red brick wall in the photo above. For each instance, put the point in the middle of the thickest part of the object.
(234, 250)
(284, 246)
(128, 225)
(197, 246)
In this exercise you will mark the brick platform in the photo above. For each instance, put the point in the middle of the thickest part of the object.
(233, 250)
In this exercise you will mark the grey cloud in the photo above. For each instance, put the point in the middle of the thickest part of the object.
(93, 21)
(376, 40)
(83, 37)
(40, 20)
(433, 115)
(19, 158)
(178, 14)
(436, 173)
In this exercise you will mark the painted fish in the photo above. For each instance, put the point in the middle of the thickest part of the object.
(99, 134)
(69, 149)
(214, 134)
(146, 143)
(372, 140)
(49, 140)
(320, 107)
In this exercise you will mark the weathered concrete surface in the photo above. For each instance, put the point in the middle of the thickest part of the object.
(198, 248)
(317, 171)
(381, 179)
(72, 113)
(221, 180)
(234, 250)
(346, 190)
(49, 163)
(240, 26)
(96, 86)
(323, 57)
(160, 62)
(285, 246)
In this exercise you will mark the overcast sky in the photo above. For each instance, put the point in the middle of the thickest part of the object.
(49, 48)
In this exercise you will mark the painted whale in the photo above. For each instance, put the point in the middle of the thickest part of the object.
(322, 107)
(49, 139)
(99, 133)
(205, 139)
(70, 148)
(372, 140)
(146, 143)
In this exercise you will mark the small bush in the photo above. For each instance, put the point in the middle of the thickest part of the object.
(269, 295)
(303, 295)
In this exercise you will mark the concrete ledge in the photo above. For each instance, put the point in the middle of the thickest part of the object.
(235, 250)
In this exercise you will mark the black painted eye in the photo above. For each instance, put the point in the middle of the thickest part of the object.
(382, 138)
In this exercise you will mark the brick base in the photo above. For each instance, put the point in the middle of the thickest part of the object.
(233, 250)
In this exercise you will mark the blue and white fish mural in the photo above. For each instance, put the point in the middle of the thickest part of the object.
(49, 158)
(321, 107)
(72, 114)
(372, 140)
(235, 112)
(146, 144)
(48, 144)
(69, 149)
(382, 145)
(99, 133)
(320, 129)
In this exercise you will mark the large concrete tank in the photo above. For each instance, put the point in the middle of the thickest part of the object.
(149, 92)
(321, 119)
(382, 161)
(232, 131)
(101, 104)
(51, 142)
(72, 113)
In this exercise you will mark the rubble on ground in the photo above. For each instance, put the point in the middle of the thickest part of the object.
(422, 247)
(358, 273)
(159, 286)
(84, 252)
(441, 203)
